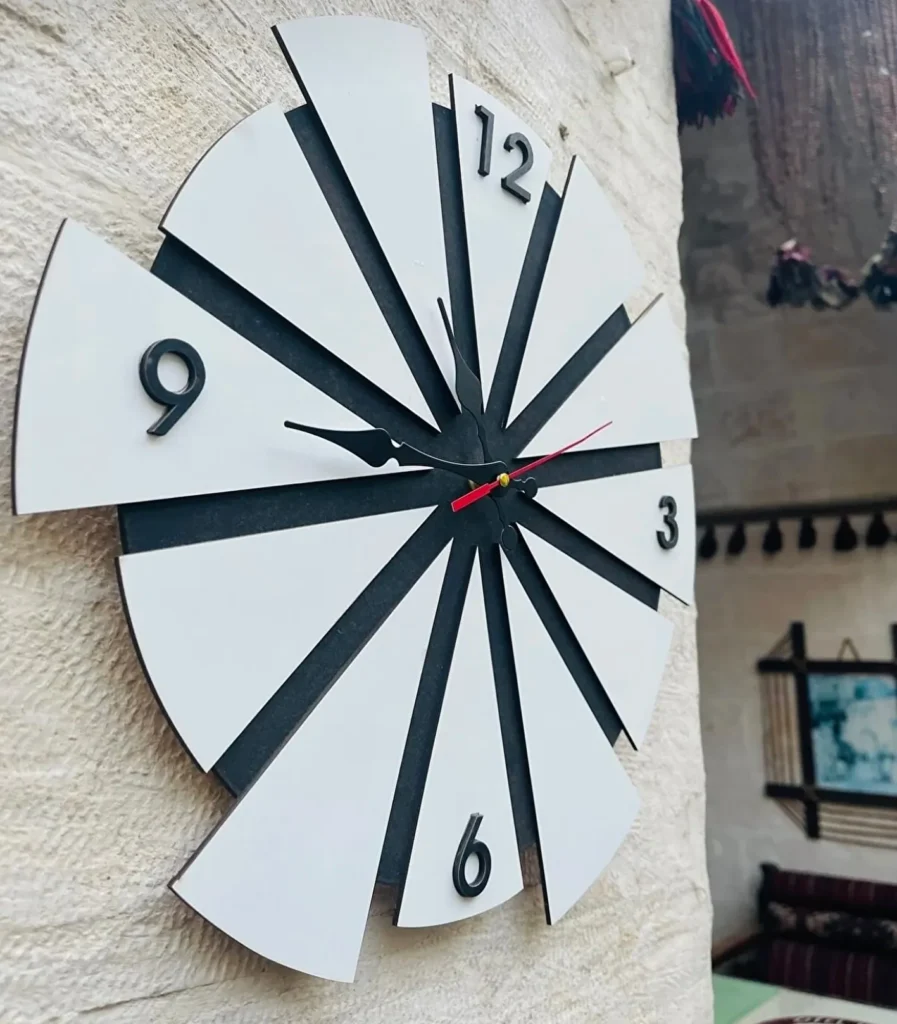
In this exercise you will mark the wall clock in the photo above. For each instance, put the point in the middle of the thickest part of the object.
(365, 599)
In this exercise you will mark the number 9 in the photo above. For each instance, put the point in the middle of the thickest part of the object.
(176, 402)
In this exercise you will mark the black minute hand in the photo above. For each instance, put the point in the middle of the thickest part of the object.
(376, 448)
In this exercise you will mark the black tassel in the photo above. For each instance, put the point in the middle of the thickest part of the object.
(845, 536)
(737, 541)
(708, 546)
(806, 539)
(878, 533)
(772, 539)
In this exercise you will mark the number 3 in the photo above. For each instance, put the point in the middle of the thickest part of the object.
(671, 539)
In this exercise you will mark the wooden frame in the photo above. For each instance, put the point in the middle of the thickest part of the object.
(823, 812)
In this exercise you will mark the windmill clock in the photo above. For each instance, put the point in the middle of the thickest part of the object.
(385, 450)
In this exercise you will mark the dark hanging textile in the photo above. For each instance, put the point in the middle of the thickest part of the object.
(824, 136)
(710, 77)
(824, 125)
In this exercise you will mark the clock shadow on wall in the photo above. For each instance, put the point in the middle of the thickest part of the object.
(467, 548)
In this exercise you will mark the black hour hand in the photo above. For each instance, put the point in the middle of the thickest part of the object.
(376, 448)
(467, 384)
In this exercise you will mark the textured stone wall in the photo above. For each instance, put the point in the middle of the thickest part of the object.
(792, 404)
(105, 107)
(745, 606)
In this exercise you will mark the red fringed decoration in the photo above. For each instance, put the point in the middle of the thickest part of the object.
(710, 76)
(724, 44)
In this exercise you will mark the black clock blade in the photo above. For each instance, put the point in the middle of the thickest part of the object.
(376, 448)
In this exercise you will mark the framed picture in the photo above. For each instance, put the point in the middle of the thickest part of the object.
(830, 740)
(853, 718)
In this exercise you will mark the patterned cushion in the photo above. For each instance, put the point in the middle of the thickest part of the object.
(849, 931)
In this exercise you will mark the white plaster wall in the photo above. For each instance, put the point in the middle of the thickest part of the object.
(104, 107)
(745, 605)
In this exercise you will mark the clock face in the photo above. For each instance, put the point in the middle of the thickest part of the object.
(364, 598)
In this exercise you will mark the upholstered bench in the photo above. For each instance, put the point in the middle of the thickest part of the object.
(830, 936)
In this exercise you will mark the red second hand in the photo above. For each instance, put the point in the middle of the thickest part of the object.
(484, 489)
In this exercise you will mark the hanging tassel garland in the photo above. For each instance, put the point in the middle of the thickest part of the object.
(796, 281)
(877, 532)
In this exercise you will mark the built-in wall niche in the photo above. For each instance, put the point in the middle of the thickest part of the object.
(830, 740)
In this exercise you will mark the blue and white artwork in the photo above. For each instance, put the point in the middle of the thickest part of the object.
(854, 725)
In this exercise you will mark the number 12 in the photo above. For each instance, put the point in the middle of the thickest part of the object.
(515, 139)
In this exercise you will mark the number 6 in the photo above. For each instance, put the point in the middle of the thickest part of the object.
(468, 847)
